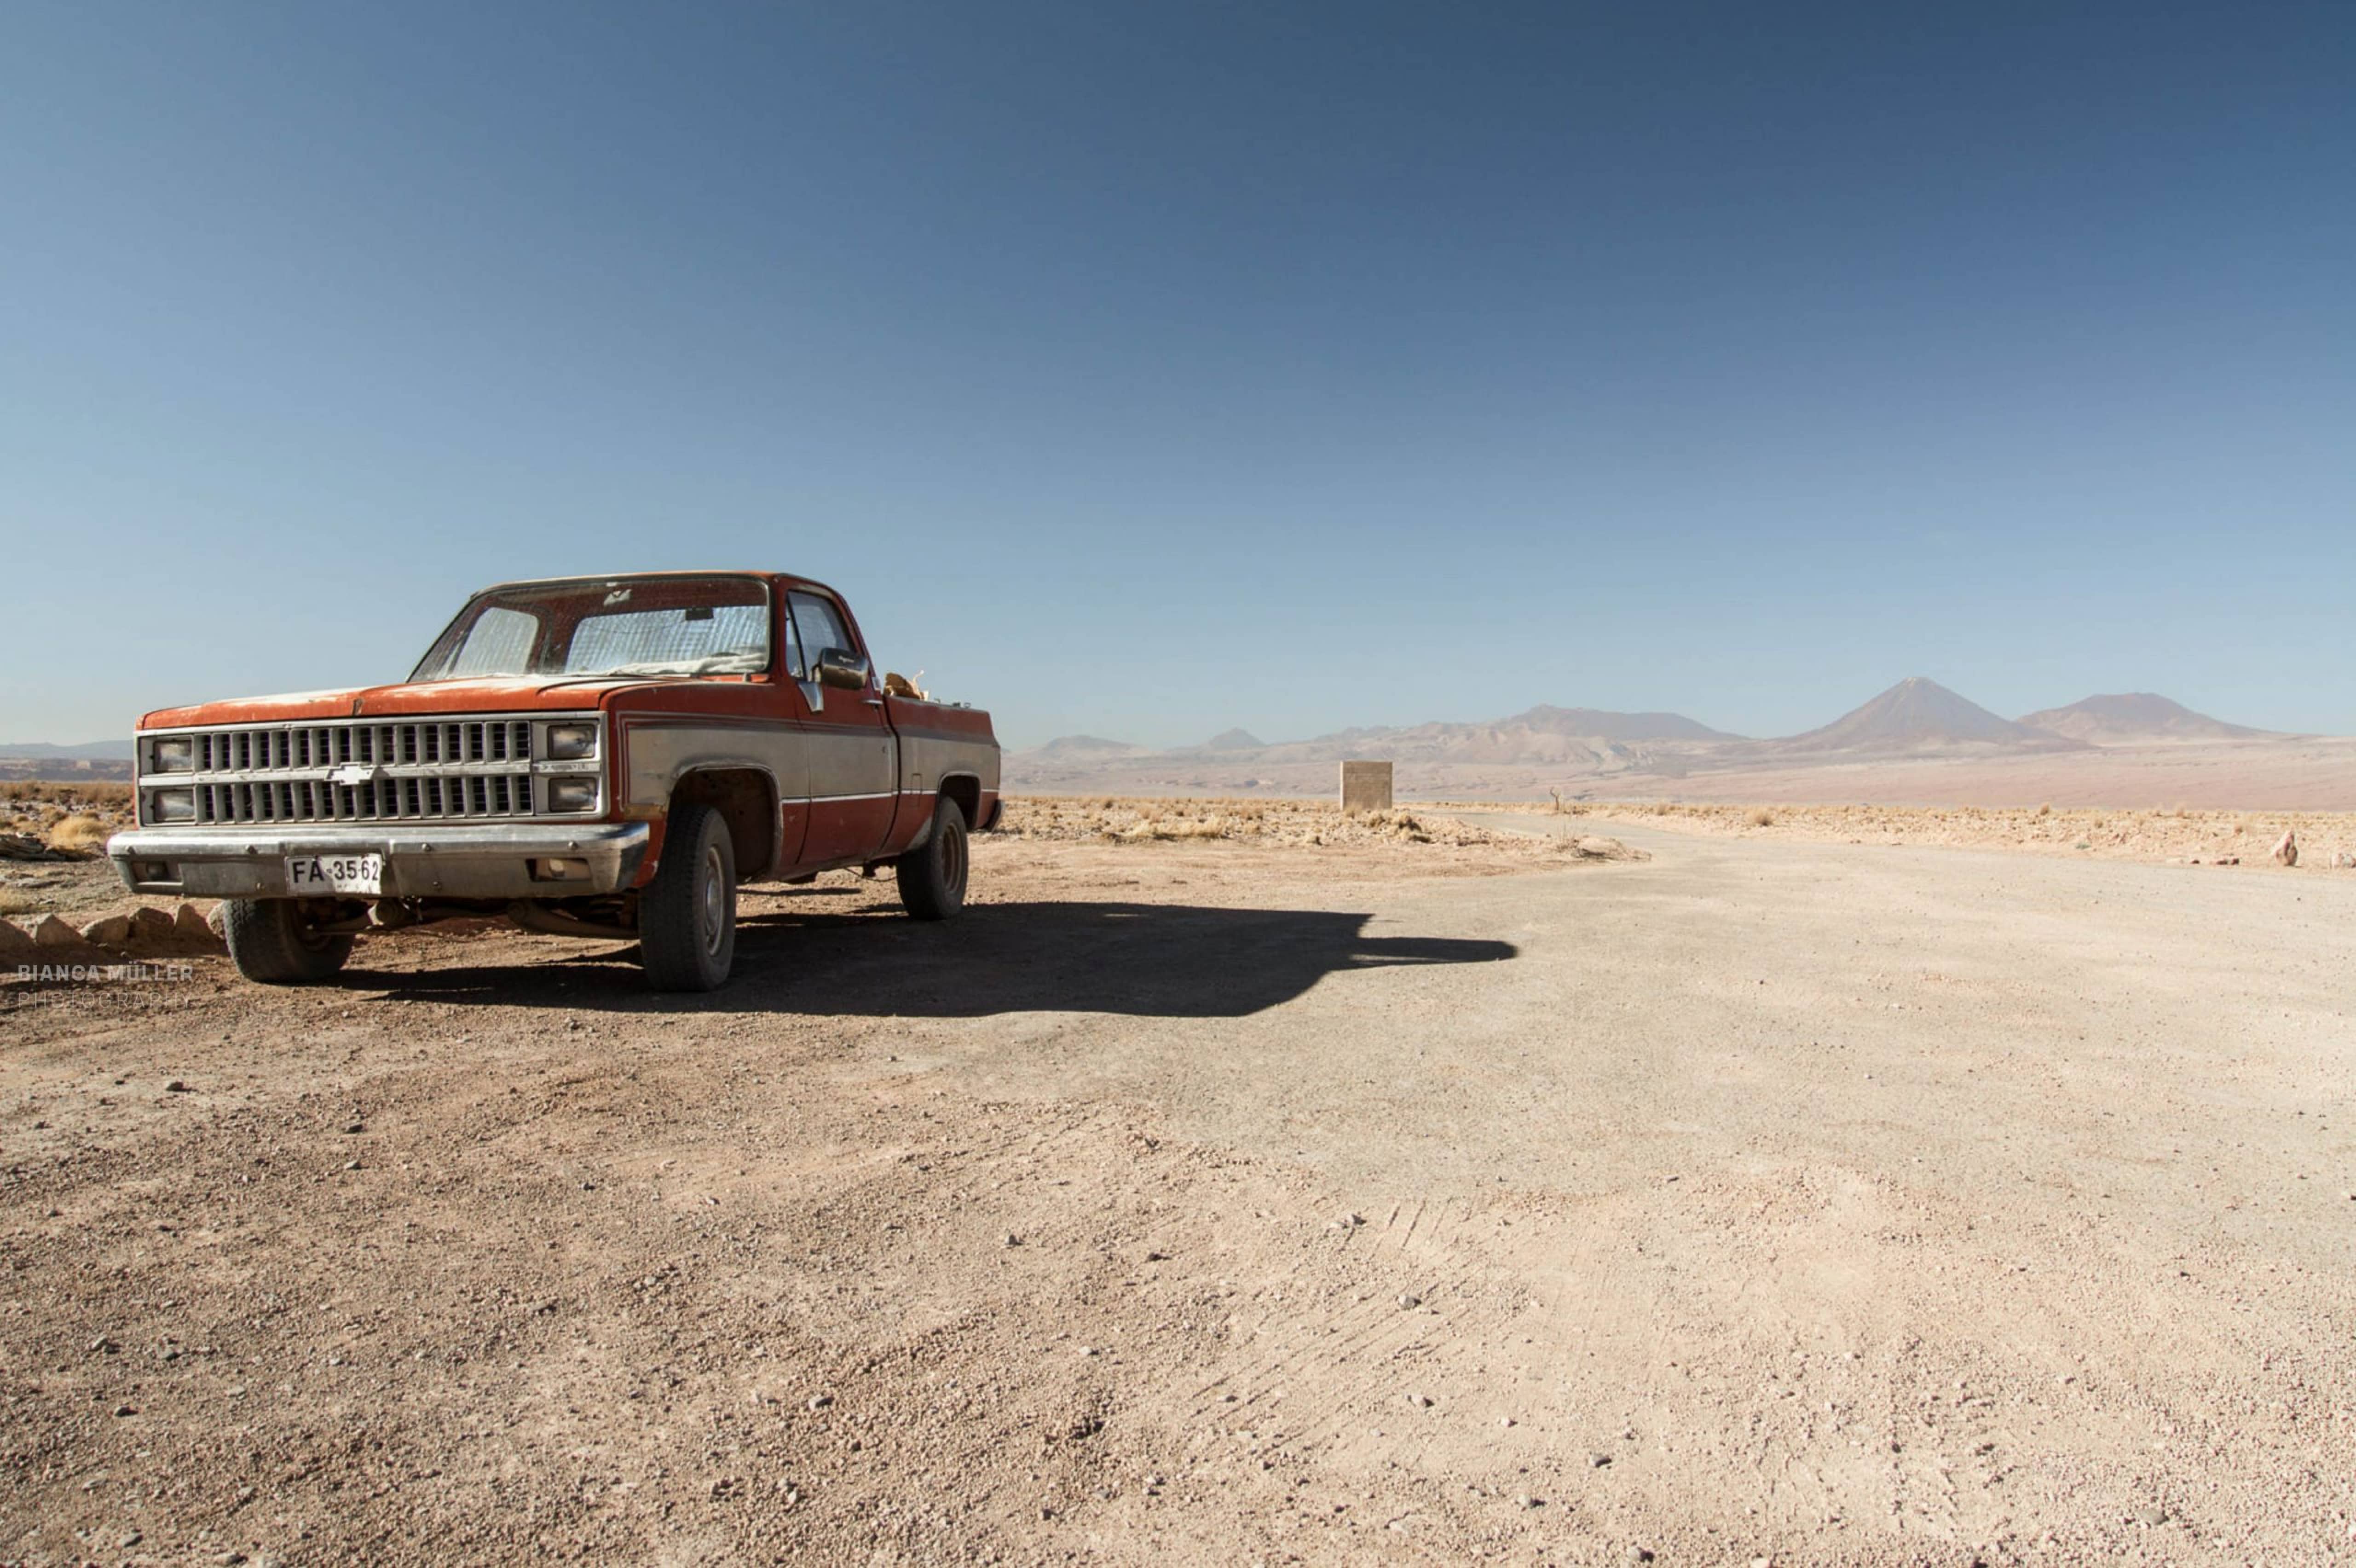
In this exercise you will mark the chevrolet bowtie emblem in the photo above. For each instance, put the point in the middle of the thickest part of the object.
(354, 774)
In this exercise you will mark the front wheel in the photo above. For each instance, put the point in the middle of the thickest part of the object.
(932, 875)
(687, 916)
(271, 941)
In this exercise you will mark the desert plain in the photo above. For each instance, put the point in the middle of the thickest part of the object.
(1234, 1182)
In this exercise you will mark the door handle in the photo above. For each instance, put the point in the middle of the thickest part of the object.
(873, 701)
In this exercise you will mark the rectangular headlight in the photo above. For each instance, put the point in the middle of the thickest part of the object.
(171, 805)
(572, 794)
(173, 754)
(570, 742)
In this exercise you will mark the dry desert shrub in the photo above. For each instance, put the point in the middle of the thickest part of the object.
(1761, 818)
(14, 903)
(79, 833)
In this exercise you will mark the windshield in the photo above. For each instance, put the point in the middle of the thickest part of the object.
(626, 626)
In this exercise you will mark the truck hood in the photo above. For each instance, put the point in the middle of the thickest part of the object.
(499, 694)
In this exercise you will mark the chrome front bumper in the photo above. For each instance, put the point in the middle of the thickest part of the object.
(444, 860)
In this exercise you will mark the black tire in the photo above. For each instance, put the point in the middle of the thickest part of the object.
(932, 875)
(271, 943)
(687, 916)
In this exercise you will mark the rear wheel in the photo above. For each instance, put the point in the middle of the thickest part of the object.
(687, 916)
(272, 941)
(932, 875)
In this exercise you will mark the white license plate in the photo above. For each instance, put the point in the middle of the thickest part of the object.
(335, 873)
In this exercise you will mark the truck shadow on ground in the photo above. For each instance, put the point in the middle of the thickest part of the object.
(1150, 960)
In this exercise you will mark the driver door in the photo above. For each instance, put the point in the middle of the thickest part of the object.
(853, 772)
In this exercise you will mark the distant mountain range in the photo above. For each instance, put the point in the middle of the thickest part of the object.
(1917, 718)
(1919, 715)
(41, 750)
(2135, 717)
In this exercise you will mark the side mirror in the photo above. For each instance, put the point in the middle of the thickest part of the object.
(841, 668)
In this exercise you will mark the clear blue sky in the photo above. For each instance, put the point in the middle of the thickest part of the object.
(1146, 370)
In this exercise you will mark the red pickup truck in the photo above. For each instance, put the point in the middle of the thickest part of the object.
(604, 756)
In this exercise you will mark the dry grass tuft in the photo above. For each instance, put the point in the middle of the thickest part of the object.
(80, 832)
(14, 903)
(1761, 818)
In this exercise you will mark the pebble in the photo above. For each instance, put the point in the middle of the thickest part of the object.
(2154, 1515)
(1409, 1300)
(1527, 1502)
(820, 1401)
(175, 1087)
(354, 1126)
(1421, 1400)
(1639, 1554)
(1009, 1240)
(1504, 1421)
(1599, 1460)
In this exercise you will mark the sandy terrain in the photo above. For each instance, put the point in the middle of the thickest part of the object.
(1210, 1200)
(2283, 773)
(2325, 841)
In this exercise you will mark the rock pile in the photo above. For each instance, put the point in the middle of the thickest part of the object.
(145, 931)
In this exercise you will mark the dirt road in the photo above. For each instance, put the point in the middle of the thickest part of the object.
(1202, 1202)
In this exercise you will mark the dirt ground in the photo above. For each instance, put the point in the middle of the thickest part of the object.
(1211, 1200)
(2325, 841)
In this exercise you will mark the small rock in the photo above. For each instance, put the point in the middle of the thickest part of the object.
(1639, 1554)
(14, 939)
(190, 920)
(1421, 1400)
(2155, 1514)
(1349, 1222)
(1527, 1502)
(131, 1538)
(1009, 1240)
(1504, 1421)
(149, 923)
(54, 933)
(109, 930)
(175, 1087)
(217, 920)
(820, 1401)
(2286, 849)
(102, 1346)
(1598, 1459)
(126, 1409)
(1408, 1300)
(354, 1126)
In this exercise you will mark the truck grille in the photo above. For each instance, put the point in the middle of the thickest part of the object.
(469, 769)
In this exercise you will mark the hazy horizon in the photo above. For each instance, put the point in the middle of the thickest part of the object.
(1147, 374)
